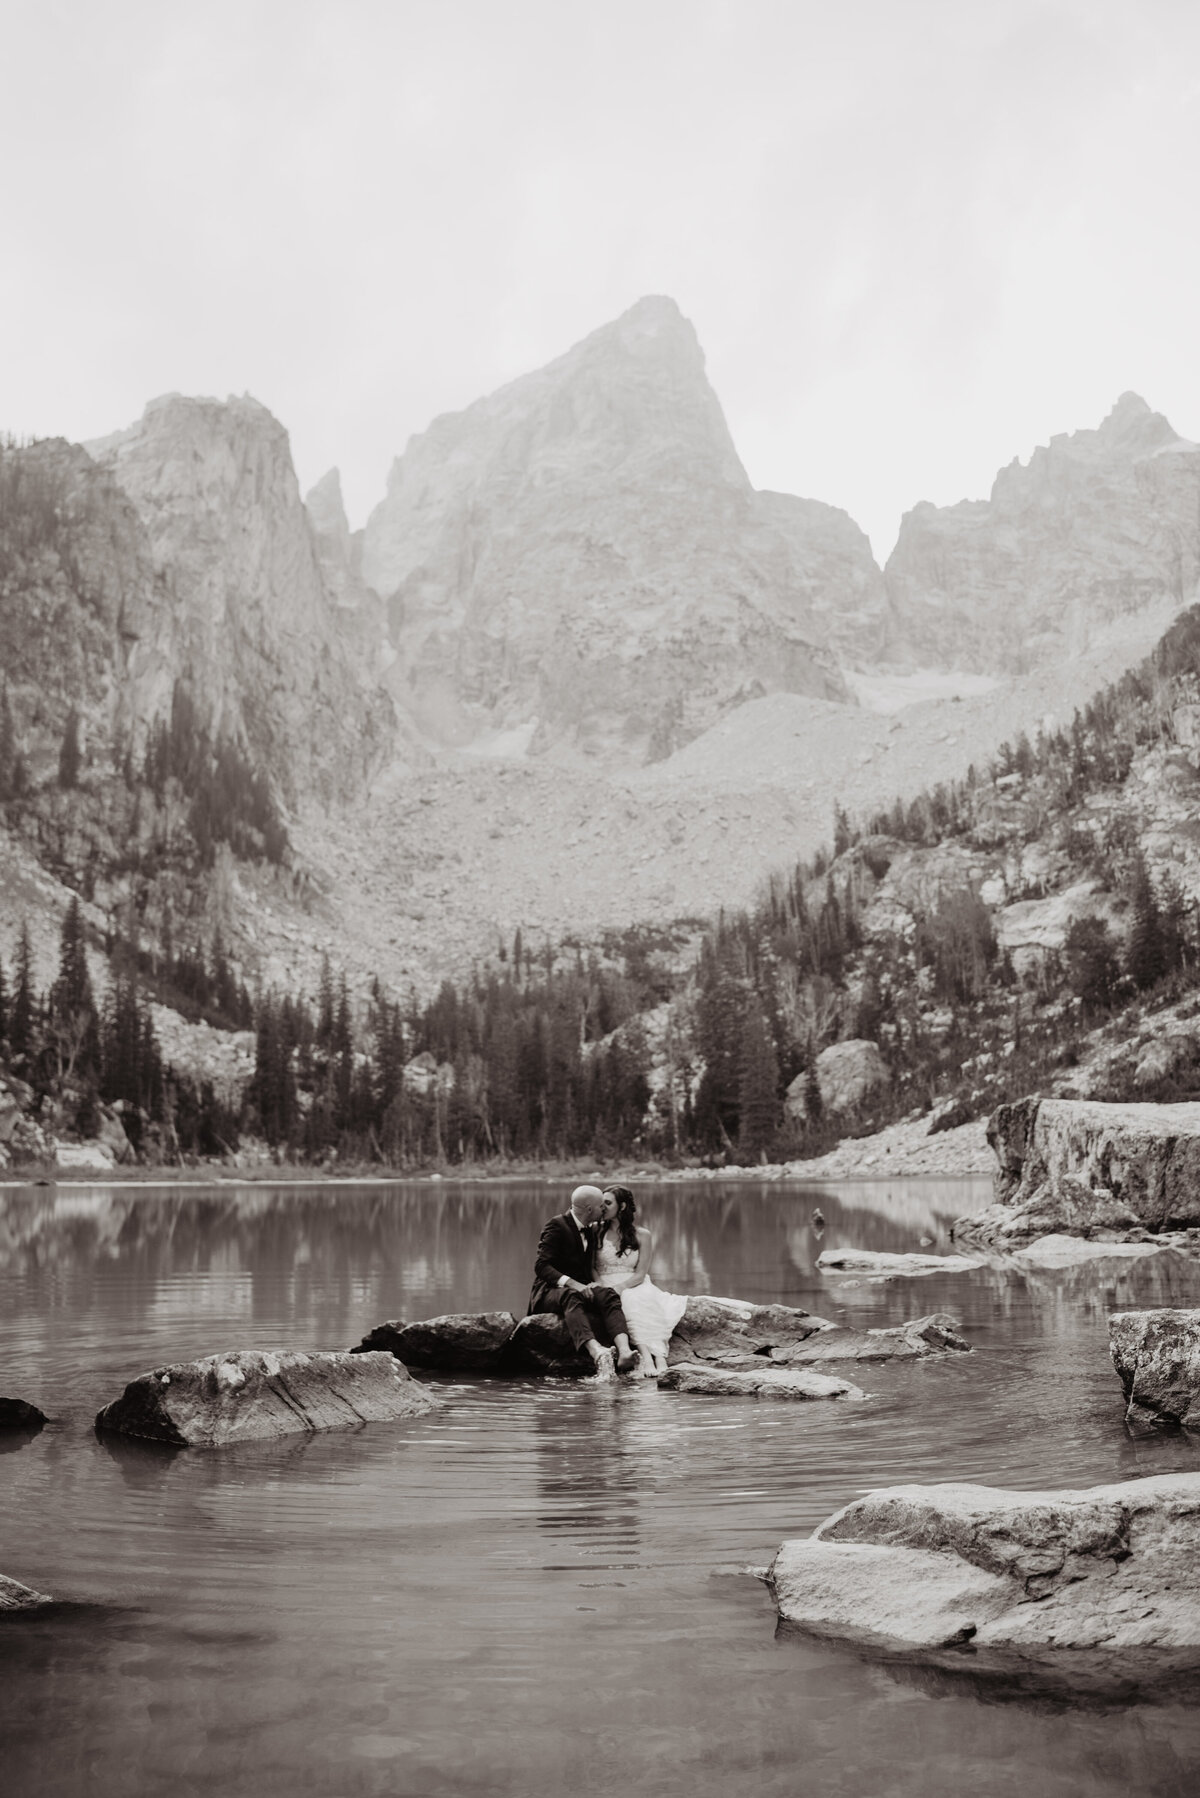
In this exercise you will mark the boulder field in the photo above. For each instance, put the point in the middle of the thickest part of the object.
(1157, 1357)
(251, 1395)
(1079, 1169)
(915, 1568)
(713, 1333)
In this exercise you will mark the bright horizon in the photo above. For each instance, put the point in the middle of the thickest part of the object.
(914, 243)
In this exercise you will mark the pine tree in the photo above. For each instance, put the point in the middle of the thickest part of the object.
(1145, 960)
(814, 1104)
(70, 755)
(22, 1018)
(758, 1085)
(72, 1002)
(8, 746)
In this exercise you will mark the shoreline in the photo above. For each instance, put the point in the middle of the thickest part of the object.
(899, 1152)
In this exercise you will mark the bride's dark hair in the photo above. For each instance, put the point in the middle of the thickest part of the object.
(625, 1219)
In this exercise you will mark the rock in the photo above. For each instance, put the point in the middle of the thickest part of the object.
(27, 1141)
(16, 1414)
(84, 1157)
(1071, 1251)
(112, 1136)
(711, 1328)
(765, 1381)
(1081, 1168)
(949, 1115)
(540, 1344)
(1107, 518)
(1157, 1356)
(914, 1340)
(581, 553)
(464, 1343)
(250, 1395)
(845, 1261)
(922, 1567)
(847, 1073)
(16, 1597)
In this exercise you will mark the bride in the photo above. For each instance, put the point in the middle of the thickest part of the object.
(624, 1252)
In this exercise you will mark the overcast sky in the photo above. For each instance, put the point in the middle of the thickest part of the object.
(916, 237)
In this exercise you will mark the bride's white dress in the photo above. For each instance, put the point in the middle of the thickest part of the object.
(650, 1312)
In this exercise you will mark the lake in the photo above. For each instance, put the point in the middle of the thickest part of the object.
(542, 1588)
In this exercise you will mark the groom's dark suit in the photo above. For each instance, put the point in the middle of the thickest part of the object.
(566, 1249)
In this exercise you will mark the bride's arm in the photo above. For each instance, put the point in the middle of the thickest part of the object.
(645, 1256)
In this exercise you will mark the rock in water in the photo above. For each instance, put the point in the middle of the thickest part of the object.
(16, 1597)
(251, 1395)
(924, 1567)
(864, 1261)
(16, 1414)
(915, 1340)
(1076, 1167)
(540, 1344)
(1098, 526)
(763, 1381)
(712, 1328)
(463, 1343)
(584, 549)
(1157, 1355)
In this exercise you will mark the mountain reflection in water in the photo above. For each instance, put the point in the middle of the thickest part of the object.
(540, 1585)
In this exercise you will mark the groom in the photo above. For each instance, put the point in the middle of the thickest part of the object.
(563, 1284)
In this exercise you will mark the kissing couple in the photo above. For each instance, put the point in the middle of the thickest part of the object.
(593, 1271)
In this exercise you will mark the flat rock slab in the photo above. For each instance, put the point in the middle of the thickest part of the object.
(916, 1340)
(711, 1328)
(923, 1567)
(461, 1342)
(16, 1414)
(846, 1261)
(765, 1381)
(1157, 1356)
(1072, 1251)
(16, 1597)
(251, 1395)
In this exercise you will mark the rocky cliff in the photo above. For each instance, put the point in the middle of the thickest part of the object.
(1097, 526)
(242, 611)
(582, 555)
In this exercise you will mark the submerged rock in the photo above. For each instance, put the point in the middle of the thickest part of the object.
(1071, 1251)
(16, 1597)
(1076, 1167)
(847, 1261)
(1157, 1356)
(925, 1567)
(16, 1414)
(764, 1381)
(915, 1340)
(252, 1396)
(462, 1342)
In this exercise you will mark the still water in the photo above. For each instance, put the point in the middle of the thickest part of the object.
(540, 1589)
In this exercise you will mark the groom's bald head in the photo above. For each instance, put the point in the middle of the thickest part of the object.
(587, 1202)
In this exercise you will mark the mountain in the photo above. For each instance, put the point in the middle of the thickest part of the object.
(1096, 527)
(242, 612)
(581, 556)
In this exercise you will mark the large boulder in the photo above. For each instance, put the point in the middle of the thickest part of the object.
(16, 1597)
(463, 1342)
(763, 1381)
(1157, 1356)
(84, 1157)
(847, 1074)
(926, 1567)
(1080, 1168)
(250, 1395)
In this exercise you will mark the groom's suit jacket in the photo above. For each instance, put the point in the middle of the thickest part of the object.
(562, 1249)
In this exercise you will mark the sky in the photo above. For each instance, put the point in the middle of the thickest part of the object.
(915, 237)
